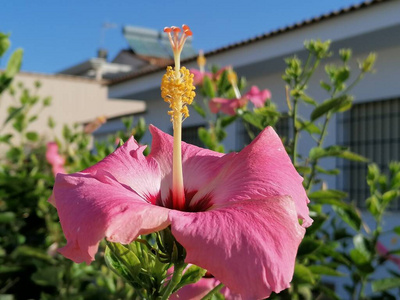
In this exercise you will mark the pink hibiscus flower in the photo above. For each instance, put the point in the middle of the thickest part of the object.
(54, 158)
(258, 97)
(240, 215)
(227, 106)
(198, 76)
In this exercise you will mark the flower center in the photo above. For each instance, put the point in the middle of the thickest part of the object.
(177, 89)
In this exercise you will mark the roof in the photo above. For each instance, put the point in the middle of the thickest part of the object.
(271, 34)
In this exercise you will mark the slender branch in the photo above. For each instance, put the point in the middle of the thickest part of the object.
(319, 144)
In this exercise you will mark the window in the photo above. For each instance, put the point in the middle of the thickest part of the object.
(371, 129)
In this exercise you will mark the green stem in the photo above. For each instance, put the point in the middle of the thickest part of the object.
(295, 131)
(213, 291)
(319, 144)
(176, 278)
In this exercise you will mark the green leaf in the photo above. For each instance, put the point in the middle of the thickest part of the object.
(7, 217)
(335, 194)
(352, 156)
(30, 252)
(225, 121)
(4, 43)
(324, 270)
(362, 245)
(335, 151)
(310, 127)
(14, 63)
(373, 205)
(48, 276)
(328, 105)
(325, 86)
(328, 172)
(253, 119)
(6, 138)
(350, 215)
(13, 112)
(199, 109)
(389, 196)
(208, 87)
(361, 260)
(191, 275)
(308, 246)
(303, 274)
(122, 261)
(32, 136)
(381, 285)
(307, 99)
(397, 230)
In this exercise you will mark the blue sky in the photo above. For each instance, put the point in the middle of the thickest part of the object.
(58, 34)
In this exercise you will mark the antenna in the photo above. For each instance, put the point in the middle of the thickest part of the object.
(102, 52)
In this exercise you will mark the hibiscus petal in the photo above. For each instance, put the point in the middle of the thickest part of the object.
(250, 245)
(262, 169)
(94, 206)
(201, 288)
(198, 164)
(130, 167)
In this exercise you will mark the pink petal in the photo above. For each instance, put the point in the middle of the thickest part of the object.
(93, 207)
(199, 164)
(227, 106)
(258, 97)
(250, 245)
(198, 76)
(130, 167)
(201, 288)
(109, 199)
(52, 155)
(262, 169)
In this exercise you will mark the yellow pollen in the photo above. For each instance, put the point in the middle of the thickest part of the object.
(232, 77)
(201, 60)
(178, 92)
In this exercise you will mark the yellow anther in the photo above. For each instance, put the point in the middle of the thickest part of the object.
(232, 77)
(178, 92)
(201, 60)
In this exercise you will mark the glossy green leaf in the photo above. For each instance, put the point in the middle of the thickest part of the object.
(335, 194)
(191, 275)
(208, 87)
(4, 43)
(199, 109)
(32, 136)
(308, 246)
(303, 274)
(324, 270)
(397, 230)
(122, 261)
(325, 86)
(327, 106)
(7, 217)
(350, 215)
(14, 63)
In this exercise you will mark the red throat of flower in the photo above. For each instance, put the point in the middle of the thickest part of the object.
(177, 89)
